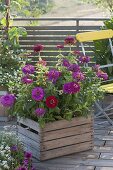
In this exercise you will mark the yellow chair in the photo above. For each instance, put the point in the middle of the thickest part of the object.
(108, 88)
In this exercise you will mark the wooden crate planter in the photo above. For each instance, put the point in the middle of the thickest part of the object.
(57, 138)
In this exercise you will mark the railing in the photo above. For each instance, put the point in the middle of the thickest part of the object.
(52, 31)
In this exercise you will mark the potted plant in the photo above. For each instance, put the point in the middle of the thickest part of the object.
(54, 105)
(12, 155)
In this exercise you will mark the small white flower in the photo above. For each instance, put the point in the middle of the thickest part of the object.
(4, 162)
(7, 147)
(60, 92)
(6, 166)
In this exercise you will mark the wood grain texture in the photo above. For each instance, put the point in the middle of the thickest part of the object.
(56, 138)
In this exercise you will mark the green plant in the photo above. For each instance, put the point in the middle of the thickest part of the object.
(11, 56)
(66, 91)
(102, 50)
(12, 155)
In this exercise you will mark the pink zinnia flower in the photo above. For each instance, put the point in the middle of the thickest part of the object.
(26, 80)
(65, 63)
(42, 62)
(78, 76)
(38, 48)
(74, 67)
(53, 75)
(84, 59)
(60, 46)
(69, 40)
(96, 67)
(77, 52)
(38, 93)
(7, 100)
(71, 88)
(28, 69)
(40, 112)
(28, 155)
(102, 75)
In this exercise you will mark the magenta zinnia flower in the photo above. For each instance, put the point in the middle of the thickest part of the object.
(14, 148)
(77, 52)
(53, 75)
(25, 162)
(65, 63)
(78, 76)
(42, 62)
(38, 48)
(74, 67)
(40, 112)
(60, 46)
(69, 40)
(102, 75)
(37, 93)
(84, 59)
(28, 69)
(22, 168)
(71, 88)
(96, 67)
(28, 155)
(26, 80)
(7, 100)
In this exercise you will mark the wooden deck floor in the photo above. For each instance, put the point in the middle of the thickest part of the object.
(100, 158)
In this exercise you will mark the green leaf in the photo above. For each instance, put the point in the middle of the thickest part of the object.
(3, 21)
(41, 122)
(68, 115)
(58, 117)
(2, 8)
(16, 4)
(110, 69)
(22, 31)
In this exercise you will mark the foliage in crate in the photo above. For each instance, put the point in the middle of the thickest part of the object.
(12, 155)
(66, 91)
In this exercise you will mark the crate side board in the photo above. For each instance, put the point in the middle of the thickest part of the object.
(56, 138)
(29, 123)
(65, 123)
(62, 142)
(70, 131)
(66, 150)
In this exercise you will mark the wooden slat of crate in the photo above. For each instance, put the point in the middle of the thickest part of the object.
(30, 142)
(29, 123)
(29, 134)
(66, 150)
(34, 151)
(61, 133)
(66, 124)
(67, 141)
